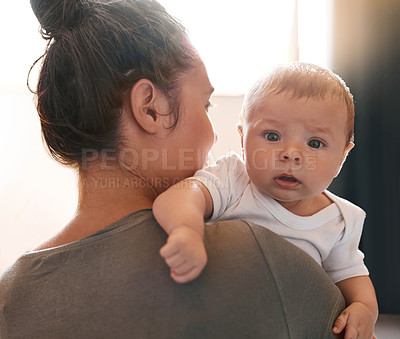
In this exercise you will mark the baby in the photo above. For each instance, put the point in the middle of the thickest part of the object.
(296, 129)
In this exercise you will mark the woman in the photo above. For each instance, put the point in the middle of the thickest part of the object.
(123, 97)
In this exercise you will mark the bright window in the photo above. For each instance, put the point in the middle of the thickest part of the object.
(240, 40)
(237, 39)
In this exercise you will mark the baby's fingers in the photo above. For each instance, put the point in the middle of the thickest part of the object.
(190, 275)
(168, 250)
(177, 263)
(351, 333)
(340, 323)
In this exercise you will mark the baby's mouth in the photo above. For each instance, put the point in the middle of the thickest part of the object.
(286, 181)
(286, 178)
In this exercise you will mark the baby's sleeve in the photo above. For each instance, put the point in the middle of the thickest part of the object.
(225, 180)
(345, 260)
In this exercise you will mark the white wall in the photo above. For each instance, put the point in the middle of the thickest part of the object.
(37, 196)
(224, 117)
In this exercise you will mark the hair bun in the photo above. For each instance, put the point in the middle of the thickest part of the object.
(57, 15)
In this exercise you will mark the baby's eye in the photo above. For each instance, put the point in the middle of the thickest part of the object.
(315, 143)
(272, 136)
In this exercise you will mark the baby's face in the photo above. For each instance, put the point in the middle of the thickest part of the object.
(294, 147)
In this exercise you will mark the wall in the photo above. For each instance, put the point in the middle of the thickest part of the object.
(224, 116)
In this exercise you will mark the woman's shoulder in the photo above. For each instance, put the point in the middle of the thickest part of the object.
(294, 285)
(118, 240)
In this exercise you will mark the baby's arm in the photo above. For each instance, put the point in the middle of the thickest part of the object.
(359, 318)
(181, 211)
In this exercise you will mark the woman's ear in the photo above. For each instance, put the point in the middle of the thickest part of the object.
(149, 106)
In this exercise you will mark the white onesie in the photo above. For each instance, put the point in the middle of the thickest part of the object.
(331, 236)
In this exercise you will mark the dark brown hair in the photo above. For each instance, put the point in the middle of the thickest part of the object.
(97, 50)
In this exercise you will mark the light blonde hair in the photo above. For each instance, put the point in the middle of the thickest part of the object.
(299, 80)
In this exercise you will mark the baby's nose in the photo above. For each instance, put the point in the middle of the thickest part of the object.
(291, 154)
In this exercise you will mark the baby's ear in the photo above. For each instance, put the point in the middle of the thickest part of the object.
(148, 105)
(347, 149)
(239, 128)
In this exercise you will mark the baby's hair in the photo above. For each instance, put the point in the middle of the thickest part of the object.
(299, 79)
(97, 50)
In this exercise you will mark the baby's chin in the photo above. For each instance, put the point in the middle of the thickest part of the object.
(282, 195)
(289, 199)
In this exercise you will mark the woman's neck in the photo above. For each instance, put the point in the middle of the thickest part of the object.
(104, 197)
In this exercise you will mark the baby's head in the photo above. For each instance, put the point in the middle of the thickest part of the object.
(296, 129)
(300, 80)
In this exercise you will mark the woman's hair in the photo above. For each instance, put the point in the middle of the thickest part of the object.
(96, 52)
(299, 79)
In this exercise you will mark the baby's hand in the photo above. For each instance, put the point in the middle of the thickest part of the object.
(357, 321)
(185, 254)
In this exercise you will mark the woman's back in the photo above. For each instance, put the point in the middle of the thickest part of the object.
(114, 284)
